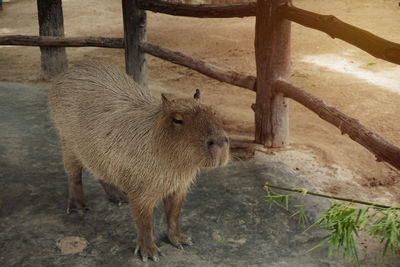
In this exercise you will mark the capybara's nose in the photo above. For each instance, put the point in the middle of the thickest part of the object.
(217, 142)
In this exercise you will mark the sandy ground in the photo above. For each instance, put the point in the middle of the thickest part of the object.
(347, 78)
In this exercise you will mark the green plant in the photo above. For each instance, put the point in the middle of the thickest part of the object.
(298, 74)
(283, 201)
(344, 220)
(387, 226)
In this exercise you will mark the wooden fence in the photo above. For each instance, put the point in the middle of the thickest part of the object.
(272, 50)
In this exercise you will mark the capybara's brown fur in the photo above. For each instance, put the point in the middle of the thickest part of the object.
(146, 147)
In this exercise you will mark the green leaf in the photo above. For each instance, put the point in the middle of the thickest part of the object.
(361, 213)
(331, 247)
(287, 202)
(343, 221)
(363, 223)
(297, 74)
(323, 242)
(385, 250)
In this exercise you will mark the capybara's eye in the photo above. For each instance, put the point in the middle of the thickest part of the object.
(176, 121)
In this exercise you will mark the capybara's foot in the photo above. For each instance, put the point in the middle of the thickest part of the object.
(179, 239)
(114, 194)
(118, 197)
(76, 204)
(148, 251)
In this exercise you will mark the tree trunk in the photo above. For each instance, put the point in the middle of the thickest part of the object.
(272, 46)
(134, 35)
(50, 15)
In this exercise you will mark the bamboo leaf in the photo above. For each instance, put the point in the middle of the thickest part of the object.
(331, 247)
(343, 221)
(323, 242)
(385, 250)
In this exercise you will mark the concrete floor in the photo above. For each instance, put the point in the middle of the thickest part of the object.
(225, 212)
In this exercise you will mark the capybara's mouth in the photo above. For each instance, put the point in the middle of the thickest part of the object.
(223, 160)
(220, 159)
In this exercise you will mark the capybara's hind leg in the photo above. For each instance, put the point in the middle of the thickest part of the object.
(73, 168)
(115, 194)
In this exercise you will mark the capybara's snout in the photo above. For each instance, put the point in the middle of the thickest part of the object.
(218, 149)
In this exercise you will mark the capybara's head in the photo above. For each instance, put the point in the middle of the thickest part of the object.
(192, 134)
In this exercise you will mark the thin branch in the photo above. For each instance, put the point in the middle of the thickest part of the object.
(382, 149)
(220, 74)
(370, 43)
(61, 41)
(200, 11)
(300, 190)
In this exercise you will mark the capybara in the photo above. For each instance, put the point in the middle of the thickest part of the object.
(140, 147)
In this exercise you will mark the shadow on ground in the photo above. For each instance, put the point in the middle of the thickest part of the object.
(225, 212)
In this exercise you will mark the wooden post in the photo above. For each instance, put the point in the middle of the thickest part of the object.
(272, 49)
(51, 23)
(134, 35)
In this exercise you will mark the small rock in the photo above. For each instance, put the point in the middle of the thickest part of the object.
(72, 244)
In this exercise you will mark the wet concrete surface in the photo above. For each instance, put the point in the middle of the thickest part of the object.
(225, 212)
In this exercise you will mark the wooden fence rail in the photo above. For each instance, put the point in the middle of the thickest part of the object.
(200, 11)
(61, 41)
(383, 150)
(218, 73)
(370, 43)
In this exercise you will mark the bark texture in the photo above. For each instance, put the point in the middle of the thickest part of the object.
(134, 34)
(200, 11)
(335, 28)
(383, 150)
(51, 23)
(272, 46)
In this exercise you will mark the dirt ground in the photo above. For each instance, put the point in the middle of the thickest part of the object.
(347, 78)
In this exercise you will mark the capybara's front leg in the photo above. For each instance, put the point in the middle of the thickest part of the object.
(143, 217)
(173, 206)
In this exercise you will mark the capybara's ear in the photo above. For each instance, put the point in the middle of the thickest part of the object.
(197, 94)
(165, 102)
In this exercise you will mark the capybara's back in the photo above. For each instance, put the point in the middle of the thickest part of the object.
(104, 118)
(138, 146)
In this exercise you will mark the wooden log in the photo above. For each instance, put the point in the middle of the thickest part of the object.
(370, 43)
(200, 11)
(272, 50)
(134, 34)
(383, 150)
(56, 41)
(51, 23)
(220, 74)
